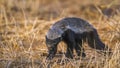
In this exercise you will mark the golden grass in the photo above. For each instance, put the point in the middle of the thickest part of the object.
(23, 25)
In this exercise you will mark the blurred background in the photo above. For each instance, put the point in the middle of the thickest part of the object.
(47, 9)
(24, 24)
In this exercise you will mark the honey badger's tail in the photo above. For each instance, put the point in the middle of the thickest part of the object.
(95, 42)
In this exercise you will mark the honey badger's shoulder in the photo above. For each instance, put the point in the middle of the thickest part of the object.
(75, 24)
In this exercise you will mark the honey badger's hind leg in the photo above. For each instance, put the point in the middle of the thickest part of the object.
(95, 42)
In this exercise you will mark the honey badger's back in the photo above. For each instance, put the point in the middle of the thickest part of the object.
(75, 24)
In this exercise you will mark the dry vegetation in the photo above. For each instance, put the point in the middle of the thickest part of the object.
(24, 23)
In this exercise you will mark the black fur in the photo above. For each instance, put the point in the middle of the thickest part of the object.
(72, 31)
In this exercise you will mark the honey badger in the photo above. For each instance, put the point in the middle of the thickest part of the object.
(72, 31)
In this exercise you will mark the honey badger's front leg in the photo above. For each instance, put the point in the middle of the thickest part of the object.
(73, 42)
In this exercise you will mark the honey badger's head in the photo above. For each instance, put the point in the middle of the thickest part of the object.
(52, 43)
(53, 37)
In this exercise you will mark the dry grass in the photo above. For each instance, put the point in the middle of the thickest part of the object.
(24, 23)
